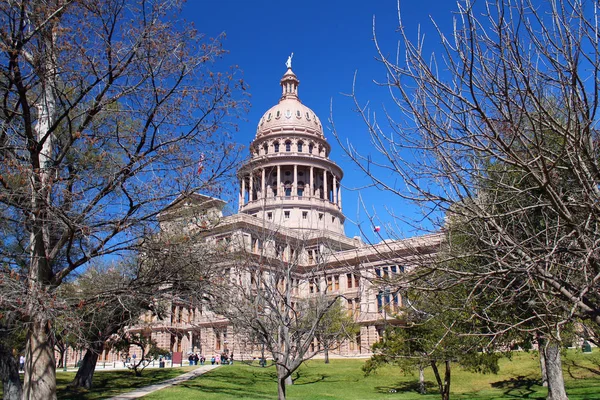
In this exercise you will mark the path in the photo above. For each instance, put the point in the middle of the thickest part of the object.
(136, 394)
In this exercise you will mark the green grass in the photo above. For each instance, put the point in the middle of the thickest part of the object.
(112, 383)
(343, 379)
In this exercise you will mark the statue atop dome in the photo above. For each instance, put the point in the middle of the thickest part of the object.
(288, 63)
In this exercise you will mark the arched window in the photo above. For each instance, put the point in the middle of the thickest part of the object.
(276, 147)
(266, 148)
(300, 144)
(288, 188)
(310, 148)
(288, 146)
(300, 189)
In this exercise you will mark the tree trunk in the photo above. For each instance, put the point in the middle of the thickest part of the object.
(446, 393)
(40, 370)
(326, 354)
(422, 389)
(541, 350)
(444, 386)
(61, 355)
(85, 373)
(281, 378)
(556, 382)
(9, 370)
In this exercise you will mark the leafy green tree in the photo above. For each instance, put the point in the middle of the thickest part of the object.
(432, 340)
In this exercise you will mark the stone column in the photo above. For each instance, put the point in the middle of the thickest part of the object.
(251, 186)
(311, 185)
(325, 194)
(295, 184)
(340, 197)
(334, 189)
(243, 190)
(263, 184)
(279, 181)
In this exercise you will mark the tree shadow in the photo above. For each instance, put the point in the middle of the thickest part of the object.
(410, 386)
(574, 367)
(300, 380)
(520, 387)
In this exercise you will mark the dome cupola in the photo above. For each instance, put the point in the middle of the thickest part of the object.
(290, 180)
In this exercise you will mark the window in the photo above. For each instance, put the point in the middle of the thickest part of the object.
(288, 146)
(332, 219)
(276, 147)
(300, 188)
(310, 148)
(333, 282)
(300, 147)
(350, 281)
(266, 148)
(286, 214)
(320, 216)
(304, 214)
(269, 216)
(288, 188)
(388, 301)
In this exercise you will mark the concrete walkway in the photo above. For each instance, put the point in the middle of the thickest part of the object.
(136, 394)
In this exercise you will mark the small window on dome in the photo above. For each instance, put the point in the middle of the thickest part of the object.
(269, 117)
(310, 148)
(276, 147)
(298, 115)
(300, 144)
(307, 116)
(288, 146)
(278, 114)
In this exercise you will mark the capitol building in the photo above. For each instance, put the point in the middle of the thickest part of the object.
(290, 210)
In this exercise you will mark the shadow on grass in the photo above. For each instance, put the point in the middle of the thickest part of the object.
(111, 383)
(411, 386)
(520, 387)
(234, 383)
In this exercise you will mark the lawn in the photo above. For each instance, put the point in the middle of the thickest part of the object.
(111, 383)
(343, 379)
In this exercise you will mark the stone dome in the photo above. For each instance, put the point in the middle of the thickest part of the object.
(289, 115)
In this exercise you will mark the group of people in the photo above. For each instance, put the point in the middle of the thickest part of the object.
(223, 358)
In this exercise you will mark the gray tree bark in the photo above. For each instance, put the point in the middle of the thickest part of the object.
(556, 382)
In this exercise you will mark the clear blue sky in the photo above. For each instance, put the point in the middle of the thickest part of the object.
(331, 40)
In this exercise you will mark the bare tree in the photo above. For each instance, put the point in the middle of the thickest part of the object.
(496, 139)
(265, 299)
(109, 110)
